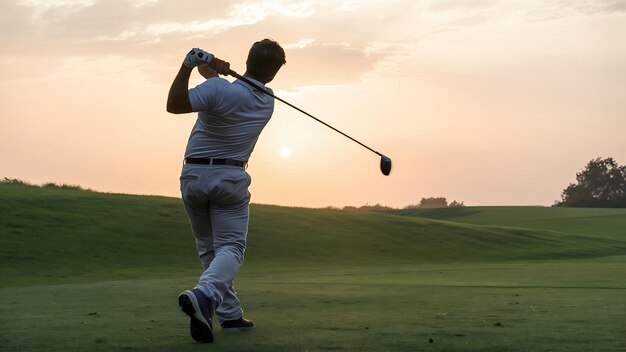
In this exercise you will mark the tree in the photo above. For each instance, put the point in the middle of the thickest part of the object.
(602, 184)
(432, 202)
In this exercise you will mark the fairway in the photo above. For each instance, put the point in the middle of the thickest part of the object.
(84, 271)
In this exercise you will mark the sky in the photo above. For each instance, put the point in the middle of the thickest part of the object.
(486, 102)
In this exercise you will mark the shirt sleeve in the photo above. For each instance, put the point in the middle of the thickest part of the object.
(205, 96)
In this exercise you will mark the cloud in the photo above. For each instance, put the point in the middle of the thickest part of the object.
(300, 44)
(162, 31)
(142, 3)
(327, 42)
(603, 7)
(532, 8)
(574, 8)
(618, 6)
(459, 5)
(237, 15)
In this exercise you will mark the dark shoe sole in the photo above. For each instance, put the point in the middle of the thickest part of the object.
(238, 329)
(199, 331)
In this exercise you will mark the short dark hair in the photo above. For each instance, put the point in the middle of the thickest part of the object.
(265, 58)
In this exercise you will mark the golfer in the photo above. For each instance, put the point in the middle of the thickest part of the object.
(214, 182)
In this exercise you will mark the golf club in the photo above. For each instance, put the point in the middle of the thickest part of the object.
(385, 162)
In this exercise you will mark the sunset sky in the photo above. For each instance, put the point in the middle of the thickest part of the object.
(486, 102)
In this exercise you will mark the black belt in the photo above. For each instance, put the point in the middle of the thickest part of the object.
(213, 161)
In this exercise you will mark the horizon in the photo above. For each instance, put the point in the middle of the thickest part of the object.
(75, 187)
(490, 103)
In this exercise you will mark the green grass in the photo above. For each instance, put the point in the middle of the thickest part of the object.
(101, 272)
(605, 223)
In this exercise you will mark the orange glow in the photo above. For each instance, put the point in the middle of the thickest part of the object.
(490, 103)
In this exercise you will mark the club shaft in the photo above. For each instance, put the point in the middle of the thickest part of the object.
(238, 76)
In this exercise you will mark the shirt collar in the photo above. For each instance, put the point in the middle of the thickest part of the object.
(249, 86)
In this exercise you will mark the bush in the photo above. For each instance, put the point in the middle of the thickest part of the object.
(433, 203)
(65, 186)
(456, 204)
(375, 207)
(15, 181)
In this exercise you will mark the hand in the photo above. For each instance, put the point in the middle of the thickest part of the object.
(220, 66)
(197, 57)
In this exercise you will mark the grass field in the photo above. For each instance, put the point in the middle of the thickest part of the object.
(101, 272)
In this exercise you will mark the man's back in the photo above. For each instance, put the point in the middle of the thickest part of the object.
(231, 117)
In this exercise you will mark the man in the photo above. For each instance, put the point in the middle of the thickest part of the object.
(214, 183)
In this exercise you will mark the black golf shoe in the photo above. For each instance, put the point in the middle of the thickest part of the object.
(238, 325)
(198, 307)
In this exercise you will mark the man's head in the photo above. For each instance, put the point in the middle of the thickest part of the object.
(265, 58)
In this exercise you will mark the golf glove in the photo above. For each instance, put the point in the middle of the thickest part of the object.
(197, 57)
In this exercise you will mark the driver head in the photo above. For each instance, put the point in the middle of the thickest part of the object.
(385, 165)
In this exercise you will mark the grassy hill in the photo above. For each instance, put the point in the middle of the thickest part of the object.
(59, 235)
(86, 271)
(595, 222)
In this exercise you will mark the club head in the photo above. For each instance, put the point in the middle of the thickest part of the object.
(385, 165)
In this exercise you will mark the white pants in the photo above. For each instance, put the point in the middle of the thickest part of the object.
(216, 200)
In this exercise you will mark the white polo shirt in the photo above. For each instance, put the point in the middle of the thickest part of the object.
(231, 117)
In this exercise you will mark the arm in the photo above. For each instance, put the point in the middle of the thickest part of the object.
(178, 97)
(206, 71)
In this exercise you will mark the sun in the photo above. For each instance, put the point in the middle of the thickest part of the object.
(285, 153)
